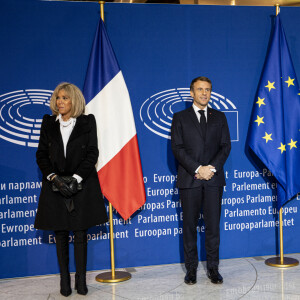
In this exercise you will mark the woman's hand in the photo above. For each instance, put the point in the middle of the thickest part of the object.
(73, 186)
(63, 188)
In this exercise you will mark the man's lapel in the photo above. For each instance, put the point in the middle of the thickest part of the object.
(211, 118)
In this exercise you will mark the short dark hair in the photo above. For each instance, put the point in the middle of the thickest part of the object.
(201, 78)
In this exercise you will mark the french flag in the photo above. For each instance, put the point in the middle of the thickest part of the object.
(119, 165)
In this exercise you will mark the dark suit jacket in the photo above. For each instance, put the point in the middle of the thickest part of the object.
(81, 157)
(191, 150)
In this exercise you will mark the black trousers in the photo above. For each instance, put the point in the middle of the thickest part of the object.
(208, 199)
(80, 250)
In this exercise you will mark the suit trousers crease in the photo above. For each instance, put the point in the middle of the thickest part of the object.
(208, 200)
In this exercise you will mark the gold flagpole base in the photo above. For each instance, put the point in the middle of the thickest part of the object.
(287, 262)
(108, 278)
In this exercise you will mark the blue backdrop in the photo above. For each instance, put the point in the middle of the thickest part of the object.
(160, 49)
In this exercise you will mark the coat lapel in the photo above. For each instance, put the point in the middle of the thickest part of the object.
(54, 130)
(79, 128)
(211, 119)
(210, 116)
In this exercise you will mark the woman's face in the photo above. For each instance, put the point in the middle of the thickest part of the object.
(64, 104)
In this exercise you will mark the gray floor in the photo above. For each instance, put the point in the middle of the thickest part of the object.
(244, 278)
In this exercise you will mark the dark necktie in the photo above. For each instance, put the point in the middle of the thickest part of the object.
(202, 123)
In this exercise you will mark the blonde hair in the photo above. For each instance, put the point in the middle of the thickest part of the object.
(77, 99)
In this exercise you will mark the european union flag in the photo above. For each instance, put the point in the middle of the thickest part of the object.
(274, 131)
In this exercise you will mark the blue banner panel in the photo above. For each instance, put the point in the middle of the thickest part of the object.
(160, 49)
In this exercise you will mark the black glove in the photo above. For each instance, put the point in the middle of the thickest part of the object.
(73, 186)
(62, 186)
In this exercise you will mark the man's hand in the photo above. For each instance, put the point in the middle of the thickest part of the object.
(197, 176)
(205, 172)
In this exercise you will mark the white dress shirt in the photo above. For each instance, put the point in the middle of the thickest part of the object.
(196, 109)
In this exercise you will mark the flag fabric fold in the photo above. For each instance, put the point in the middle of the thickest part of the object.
(119, 166)
(274, 130)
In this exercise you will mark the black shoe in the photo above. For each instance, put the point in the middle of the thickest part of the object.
(65, 285)
(191, 276)
(80, 284)
(214, 276)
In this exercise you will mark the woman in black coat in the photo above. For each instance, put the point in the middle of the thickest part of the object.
(68, 147)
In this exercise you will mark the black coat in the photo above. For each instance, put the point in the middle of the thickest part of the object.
(191, 150)
(81, 157)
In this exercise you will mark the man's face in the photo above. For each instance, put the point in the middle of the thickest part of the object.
(201, 93)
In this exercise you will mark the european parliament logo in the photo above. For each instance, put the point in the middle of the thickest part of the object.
(20, 115)
(156, 113)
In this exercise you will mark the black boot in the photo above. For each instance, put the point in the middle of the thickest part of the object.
(80, 252)
(62, 250)
(65, 285)
(80, 284)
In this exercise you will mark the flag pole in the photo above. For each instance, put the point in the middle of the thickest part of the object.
(281, 261)
(102, 9)
(113, 276)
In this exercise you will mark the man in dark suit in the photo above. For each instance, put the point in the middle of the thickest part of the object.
(201, 143)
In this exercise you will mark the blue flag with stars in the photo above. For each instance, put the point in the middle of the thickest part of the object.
(274, 131)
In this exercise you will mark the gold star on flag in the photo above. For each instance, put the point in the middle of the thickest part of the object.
(267, 137)
(290, 81)
(292, 144)
(282, 148)
(270, 85)
(259, 120)
(261, 101)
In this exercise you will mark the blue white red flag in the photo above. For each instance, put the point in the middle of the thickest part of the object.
(119, 166)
